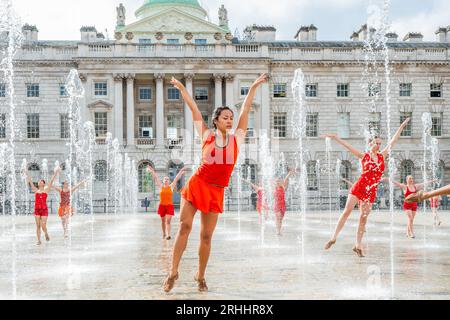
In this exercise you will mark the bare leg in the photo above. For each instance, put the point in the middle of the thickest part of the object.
(366, 208)
(411, 217)
(436, 219)
(38, 228)
(44, 227)
(65, 223)
(187, 213)
(168, 225)
(279, 221)
(408, 226)
(209, 223)
(351, 202)
(163, 226)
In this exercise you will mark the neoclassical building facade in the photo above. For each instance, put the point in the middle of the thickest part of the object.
(128, 94)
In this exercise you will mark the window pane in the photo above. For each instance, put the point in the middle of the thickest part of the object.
(279, 125)
(201, 94)
(145, 93)
(2, 90)
(101, 124)
(312, 124)
(200, 41)
(100, 171)
(279, 90)
(64, 125)
(436, 90)
(33, 90)
(405, 89)
(343, 128)
(173, 41)
(407, 132)
(311, 90)
(311, 171)
(145, 127)
(173, 94)
(33, 126)
(2, 126)
(101, 88)
(436, 128)
(343, 90)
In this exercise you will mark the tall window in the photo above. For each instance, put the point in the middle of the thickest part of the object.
(343, 129)
(145, 180)
(436, 90)
(311, 90)
(311, 172)
(63, 91)
(2, 126)
(375, 123)
(279, 125)
(100, 171)
(145, 93)
(312, 124)
(64, 126)
(251, 125)
(173, 94)
(436, 128)
(345, 173)
(101, 89)
(32, 90)
(405, 89)
(173, 127)
(374, 89)
(33, 126)
(407, 132)
(245, 88)
(407, 169)
(343, 90)
(201, 94)
(279, 90)
(145, 127)
(101, 124)
(2, 90)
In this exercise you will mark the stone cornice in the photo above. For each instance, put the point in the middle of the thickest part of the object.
(354, 62)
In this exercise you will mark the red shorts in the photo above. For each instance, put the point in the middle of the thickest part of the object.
(41, 212)
(167, 210)
(410, 206)
(205, 197)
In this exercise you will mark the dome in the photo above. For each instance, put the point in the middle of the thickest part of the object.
(151, 7)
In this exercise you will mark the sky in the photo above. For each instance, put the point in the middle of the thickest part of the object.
(335, 19)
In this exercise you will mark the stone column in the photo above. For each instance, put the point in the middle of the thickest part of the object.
(130, 110)
(265, 108)
(118, 107)
(218, 90)
(159, 110)
(229, 96)
(188, 121)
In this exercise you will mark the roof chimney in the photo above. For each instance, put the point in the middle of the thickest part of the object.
(30, 33)
(392, 37)
(413, 37)
(441, 34)
(89, 34)
(307, 33)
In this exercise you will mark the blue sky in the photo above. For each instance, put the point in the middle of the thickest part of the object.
(336, 19)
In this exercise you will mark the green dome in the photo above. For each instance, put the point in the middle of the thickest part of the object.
(153, 6)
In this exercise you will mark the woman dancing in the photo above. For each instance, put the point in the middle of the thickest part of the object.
(280, 200)
(40, 203)
(261, 200)
(434, 204)
(166, 209)
(205, 190)
(365, 189)
(65, 211)
(410, 207)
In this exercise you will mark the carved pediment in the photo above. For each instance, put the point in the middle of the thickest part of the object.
(172, 21)
(100, 104)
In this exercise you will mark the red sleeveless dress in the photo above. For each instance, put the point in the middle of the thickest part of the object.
(413, 205)
(261, 201)
(365, 189)
(40, 204)
(206, 188)
(280, 200)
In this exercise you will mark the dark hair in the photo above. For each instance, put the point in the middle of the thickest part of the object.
(374, 138)
(42, 181)
(217, 114)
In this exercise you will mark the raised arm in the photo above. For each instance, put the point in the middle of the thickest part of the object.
(74, 189)
(286, 180)
(254, 186)
(241, 130)
(50, 185)
(345, 144)
(395, 138)
(57, 189)
(199, 123)
(30, 182)
(420, 186)
(155, 176)
(177, 178)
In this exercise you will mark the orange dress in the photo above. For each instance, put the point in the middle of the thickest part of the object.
(206, 188)
(166, 207)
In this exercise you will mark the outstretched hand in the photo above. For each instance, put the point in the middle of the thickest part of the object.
(177, 84)
(261, 79)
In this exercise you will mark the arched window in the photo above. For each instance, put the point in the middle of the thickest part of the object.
(100, 171)
(311, 172)
(406, 169)
(248, 172)
(145, 180)
(345, 173)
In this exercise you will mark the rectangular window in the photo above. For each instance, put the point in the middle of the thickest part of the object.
(279, 90)
(251, 125)
(312, 125)
(407, 132)
(405, 89)
(343, 90)
(145, 93)
(33, 90)
(101, 89)
(173, 41)
(2, 126)
(173, 127)
(201, 94)
(244, 90)
(279, 125)
(375, 123)
(63, 91)
(343, 124)
(2, 90)
(146, 127)
(436, 128)
(200, 41)
(33, 126)
(311, 173)
(311, 90)
(436, 90)
(374, 89)
(173, 94)
(101, 124)
(64, 125)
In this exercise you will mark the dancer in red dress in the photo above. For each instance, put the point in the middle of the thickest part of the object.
(434, 204)
(40, 204)
(280, 200)
(204, 191)
(410, 207)
(365, 189)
